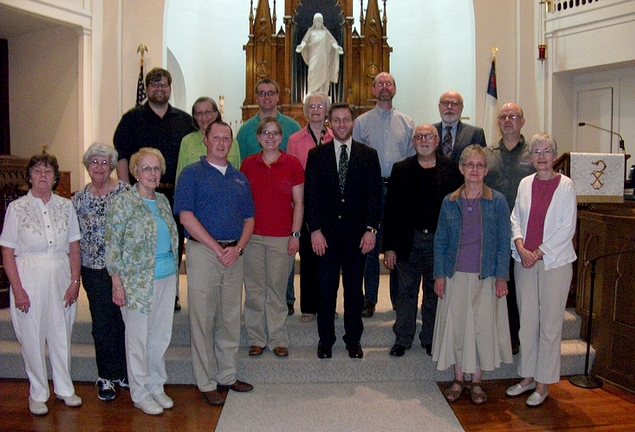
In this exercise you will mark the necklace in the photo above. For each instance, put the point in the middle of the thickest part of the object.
(471, 204)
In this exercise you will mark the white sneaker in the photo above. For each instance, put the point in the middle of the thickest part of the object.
(71, 401)
(37, 408)
(149, 406)
(164, 400)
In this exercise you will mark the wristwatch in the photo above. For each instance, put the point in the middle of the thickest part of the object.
(295, 234)
(371, 230)
(241, 251)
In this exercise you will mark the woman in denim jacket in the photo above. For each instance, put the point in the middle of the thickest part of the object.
(471, 262)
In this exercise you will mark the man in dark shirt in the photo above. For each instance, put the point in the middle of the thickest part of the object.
(155, 124)
(416, 190)
(508, 162)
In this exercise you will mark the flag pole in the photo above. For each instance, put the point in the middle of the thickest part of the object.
(490, 111)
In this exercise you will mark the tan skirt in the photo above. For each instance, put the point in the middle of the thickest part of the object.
(471, 327)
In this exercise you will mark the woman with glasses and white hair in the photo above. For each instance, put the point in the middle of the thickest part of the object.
(315, 133)
(142, 259)
(471, 265)
(91, 204)
(543, 224)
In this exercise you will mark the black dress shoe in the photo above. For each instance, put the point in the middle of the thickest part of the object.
(427, 347)
(398, 350)
(237, 386)
(515, 348)
(177, 304)
(368, 310)
(324, 351)
(355, 351)
(290, 308)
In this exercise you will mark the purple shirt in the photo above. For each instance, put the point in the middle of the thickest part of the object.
(469, 256)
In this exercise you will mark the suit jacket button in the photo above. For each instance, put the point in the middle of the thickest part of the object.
(339, 216)
(343, 200)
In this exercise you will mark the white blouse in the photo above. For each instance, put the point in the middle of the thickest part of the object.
(32, 227)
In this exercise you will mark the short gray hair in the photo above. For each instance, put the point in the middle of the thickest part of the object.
(101, 150)
(543, 137)
(325, 99)
(470, 150)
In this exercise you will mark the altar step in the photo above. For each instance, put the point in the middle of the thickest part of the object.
(302, 365)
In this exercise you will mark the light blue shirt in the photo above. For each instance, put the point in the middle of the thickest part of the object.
(388, 132)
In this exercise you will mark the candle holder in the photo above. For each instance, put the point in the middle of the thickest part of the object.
(542, 52)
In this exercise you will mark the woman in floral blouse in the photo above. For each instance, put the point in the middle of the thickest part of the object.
(40, 253)
(91, 204)
(142, 259)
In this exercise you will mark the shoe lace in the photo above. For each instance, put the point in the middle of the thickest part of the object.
(105, 384)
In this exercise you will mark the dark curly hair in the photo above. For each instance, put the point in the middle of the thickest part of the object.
(46, 160)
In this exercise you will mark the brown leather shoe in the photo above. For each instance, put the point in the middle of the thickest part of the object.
(214, 398)
(255, 350)
(281, 351)
(238, 386)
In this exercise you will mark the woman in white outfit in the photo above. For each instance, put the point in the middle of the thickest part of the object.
(40, 253)
(543, 225)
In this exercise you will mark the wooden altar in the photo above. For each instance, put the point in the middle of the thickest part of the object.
(270, 53)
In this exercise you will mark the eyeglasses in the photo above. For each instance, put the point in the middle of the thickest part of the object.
(148, 169)
(538, 152)
(420, 137)
(207, 113)
(512, 117)
(316, 106)
(40, 170)
(97, 162)
(471, 165)
(387, 84)
(267, 133)
(447, 103)
(159, 84)
(267, 93)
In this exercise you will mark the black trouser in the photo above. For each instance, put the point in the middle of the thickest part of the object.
(108, 326)
(512, 306)
(309, 284)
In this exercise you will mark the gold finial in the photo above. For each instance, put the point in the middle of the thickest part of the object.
(142, 49)
(494, 50)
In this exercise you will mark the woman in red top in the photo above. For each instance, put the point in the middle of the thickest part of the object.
(277, 186)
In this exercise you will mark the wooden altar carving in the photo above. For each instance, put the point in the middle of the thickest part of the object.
(271, 54)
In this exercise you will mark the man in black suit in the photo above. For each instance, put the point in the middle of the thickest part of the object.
(342, 194)
(416, 190)
(455, 135)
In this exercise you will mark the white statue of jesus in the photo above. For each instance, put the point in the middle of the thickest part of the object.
(320, 52)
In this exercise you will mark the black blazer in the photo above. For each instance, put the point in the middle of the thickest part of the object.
(400, 213)
(326, 208)
(465, 136)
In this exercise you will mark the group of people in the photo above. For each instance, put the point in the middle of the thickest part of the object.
(433, 198)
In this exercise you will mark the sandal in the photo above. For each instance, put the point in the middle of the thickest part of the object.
(454, 395)
(307, 317)
(478, 397)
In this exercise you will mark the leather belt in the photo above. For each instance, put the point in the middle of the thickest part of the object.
(226, 244)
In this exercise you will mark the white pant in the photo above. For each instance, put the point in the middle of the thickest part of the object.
(147, 340)
(45, 277)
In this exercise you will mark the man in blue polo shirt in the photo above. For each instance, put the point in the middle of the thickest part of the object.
(214, 204)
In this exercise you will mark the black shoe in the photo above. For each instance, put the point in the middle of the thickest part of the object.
(355, 351)
(324, 351)
(177, 304)
(291, 308)
(427, 347)
(368, 310)
(398, 350)
(106, 389)
(515, 348)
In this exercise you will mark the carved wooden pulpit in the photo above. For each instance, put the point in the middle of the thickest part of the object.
(270, 53)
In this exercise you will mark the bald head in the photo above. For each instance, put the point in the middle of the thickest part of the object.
(510, 122)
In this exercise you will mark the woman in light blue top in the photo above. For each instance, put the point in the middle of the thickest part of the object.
(142, 259)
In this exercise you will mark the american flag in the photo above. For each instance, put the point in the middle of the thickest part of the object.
(141, 89)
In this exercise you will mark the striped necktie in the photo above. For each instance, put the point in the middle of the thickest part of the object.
(446, 146)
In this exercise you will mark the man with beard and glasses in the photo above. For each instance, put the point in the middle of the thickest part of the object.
(155, 124)
(455, 135)
(390, 133)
